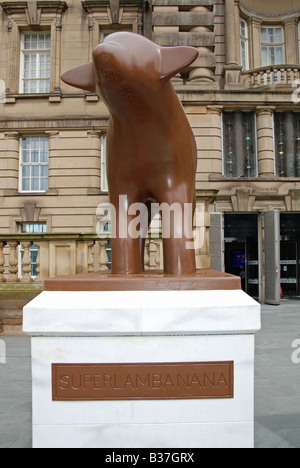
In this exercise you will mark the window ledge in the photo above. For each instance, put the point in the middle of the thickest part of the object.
(52, 97)
(271, 178)
(95, 191)
(16, 193)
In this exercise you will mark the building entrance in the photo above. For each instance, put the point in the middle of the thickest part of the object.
(241, 250)
(241, 259)
(289, 266)
(290, 253)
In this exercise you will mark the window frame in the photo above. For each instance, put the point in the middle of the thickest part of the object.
(105, 31)
(39, 164)
(244, 39)
(274, 45)
(225, 152)
(280, 140)
(37, 51)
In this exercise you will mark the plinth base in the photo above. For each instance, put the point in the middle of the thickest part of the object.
(153, 369)
(203, 280)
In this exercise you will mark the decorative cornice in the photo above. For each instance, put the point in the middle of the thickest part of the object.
(92, 6)
(283, 16)
(52, 6)
(12, 8)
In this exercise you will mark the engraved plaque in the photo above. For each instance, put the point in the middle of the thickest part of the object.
(142, 381)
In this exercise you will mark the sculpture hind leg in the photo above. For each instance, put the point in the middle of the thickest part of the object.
(177, 231)
(126, 236)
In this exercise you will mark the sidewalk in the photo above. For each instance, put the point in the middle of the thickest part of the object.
(277, 378)
(277, 386)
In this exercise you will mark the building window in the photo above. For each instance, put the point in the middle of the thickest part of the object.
(244, 45)
(239, 144)
(34, 164)
(287, 143)
(272, 46)
(104, 185)
(31, 228)
(35, 63)
(272, 50)
(107, 31)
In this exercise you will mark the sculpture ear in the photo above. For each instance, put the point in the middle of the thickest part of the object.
(81, 77)
(175, 59)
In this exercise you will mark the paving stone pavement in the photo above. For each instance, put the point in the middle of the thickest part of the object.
(277, 383)
(277, 377)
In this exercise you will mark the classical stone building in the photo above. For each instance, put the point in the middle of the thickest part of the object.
(242, 99)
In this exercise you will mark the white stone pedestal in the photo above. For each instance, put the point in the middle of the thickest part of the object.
(143, 327)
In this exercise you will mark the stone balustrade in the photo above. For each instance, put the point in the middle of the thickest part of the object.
(32, 258)
(273, 75)
(28, 258)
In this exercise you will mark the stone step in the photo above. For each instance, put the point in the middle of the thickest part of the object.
(11, 321)
(13, 298)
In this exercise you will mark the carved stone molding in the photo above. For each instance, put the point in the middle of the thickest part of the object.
(243, 201)
(30, 213)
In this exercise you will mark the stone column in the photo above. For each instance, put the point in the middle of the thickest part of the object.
(202, 225)
(11, 183)
(94, 145)
(12, 78)
(53, 136)
(13, 262)
(204, 67)
(254, 26)
(2, 262)
(232, 70)
(103, 258)
(265, 142)
(57, 60)
(42, 260)
(216, 241)
(230, 33)
(272, 257)
(91, 29)
(291, 38)
(90, 259)
(26, 262)
(215, 115)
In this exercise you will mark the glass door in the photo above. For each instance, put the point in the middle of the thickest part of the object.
(241, 259)
(289, 266)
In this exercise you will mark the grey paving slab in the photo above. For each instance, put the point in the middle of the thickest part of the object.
(277, 378)
(15, 394)
(277, 383)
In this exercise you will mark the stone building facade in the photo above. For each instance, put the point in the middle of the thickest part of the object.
(241, 97)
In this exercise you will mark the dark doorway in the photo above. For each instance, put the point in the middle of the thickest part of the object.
(289, 266)
(241, 250)
(289, 253)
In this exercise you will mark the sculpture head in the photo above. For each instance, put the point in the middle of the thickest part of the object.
(124, 58)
